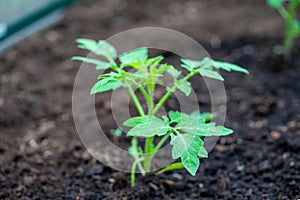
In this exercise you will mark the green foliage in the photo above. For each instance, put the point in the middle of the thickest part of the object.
(275, 3)
(292, 28)
(184, 131)
(148, 126)
(116, 132)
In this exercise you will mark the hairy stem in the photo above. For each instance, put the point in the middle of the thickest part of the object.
(149, 141)
(148, 153)
(170, 92)
(136, 101)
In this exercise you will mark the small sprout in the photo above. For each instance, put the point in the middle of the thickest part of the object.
(292, 28)
(184, 131)
(116, 133)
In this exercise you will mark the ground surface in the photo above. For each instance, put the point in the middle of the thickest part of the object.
(41, 156)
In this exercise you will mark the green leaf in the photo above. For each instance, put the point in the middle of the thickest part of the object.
(133, 149)
(184, 86)
(296, 27)
(189, 64)
(187, 147)
(137, 120)
(100, 48)
(149, 127)
(87, 44)
(191, 163)
(210, 129)
(115, 132)
(100, 65)
(104, 85)
(210, 74)
(175, 116)
(205, 117)
(106, 50)
(189, 124)
(203, 153)
(174, 72)
(229, 67)
(155, 60)
(275, 3)
(134, 57)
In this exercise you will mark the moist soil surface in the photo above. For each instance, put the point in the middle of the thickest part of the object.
(41, 156)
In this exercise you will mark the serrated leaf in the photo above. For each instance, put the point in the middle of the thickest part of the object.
(155, 60)
(104, 85)
(183, 143)
(229, 67)
(191, 163)
(106, 50)
(189, 64)
(203, 153)
(205, 116)
(134, 57)
(149, 128)
(175, 116)
(100, 65)
(184, 86)
(174, 72)
(212, 130)
(100, 48)
(275, 3)
(210, 74)
(187, 147)
(137, 120)
(87, 44)
(202, 129)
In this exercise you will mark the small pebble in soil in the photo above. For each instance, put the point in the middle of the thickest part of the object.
(176, 176)
(153, 186)
(240, 168)
(264, 165)
(248, 49)
(239, 141)
(275, 135)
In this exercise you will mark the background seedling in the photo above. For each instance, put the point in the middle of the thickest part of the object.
(292, 28)
(184, 131)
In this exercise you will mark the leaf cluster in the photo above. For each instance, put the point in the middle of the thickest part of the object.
(185, 130)
(148, 71)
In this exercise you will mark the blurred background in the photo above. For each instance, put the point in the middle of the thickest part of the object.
(41, 155)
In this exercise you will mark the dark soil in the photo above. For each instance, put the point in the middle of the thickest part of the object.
(41, 156)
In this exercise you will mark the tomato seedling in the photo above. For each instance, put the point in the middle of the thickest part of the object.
(292, 28)
(184, 131)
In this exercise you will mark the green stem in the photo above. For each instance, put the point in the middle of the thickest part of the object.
(170, 92)
(289, 17)
(136, 101)
(177, 165)
(133, 170)
(148, 153)
(143, 91)
(160, 143)
(149, 141)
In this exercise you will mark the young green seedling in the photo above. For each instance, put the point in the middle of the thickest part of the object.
(184, 131)
(116, 133)
(292, 28)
